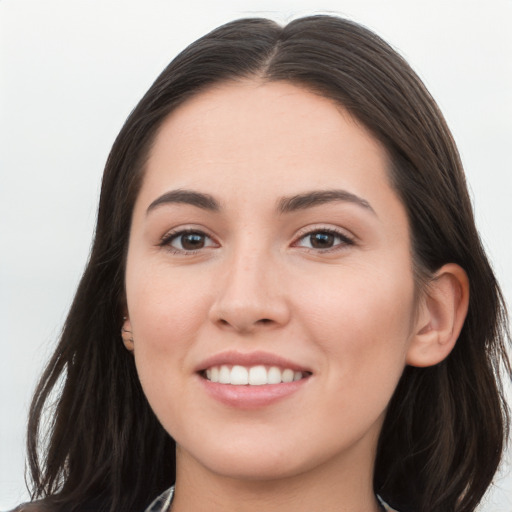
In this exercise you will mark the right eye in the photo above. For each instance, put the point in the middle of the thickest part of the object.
(188, 241)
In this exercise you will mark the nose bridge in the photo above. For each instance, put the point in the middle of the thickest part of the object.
(250, 268)
(250, 293)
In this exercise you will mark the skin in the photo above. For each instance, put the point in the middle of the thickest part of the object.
(346, 312)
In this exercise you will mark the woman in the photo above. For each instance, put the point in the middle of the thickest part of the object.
(276, 313)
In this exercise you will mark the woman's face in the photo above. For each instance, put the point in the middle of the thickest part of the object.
(268, 247)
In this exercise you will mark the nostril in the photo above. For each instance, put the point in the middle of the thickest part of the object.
(244, 322)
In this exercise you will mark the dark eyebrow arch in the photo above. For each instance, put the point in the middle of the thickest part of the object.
(318, 197)
(198, 199)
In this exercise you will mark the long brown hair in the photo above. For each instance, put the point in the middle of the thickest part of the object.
(443, 436)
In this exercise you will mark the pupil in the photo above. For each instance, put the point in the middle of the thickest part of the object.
(322, 240)
(192, 241)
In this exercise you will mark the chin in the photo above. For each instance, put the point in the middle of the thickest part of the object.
(261, 462)
(256, 468)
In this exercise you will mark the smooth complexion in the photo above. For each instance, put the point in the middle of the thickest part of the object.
(266, 234)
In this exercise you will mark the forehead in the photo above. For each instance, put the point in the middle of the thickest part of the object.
(256, 140)
(263, 120)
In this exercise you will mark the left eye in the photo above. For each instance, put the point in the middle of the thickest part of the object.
(189, 241)
(323, 240)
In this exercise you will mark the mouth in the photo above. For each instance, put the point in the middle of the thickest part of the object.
(251, 380)
(256, 375)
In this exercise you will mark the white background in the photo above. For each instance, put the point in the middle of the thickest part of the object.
(71, 71)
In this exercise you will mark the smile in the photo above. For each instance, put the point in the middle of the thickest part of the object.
(258, 375)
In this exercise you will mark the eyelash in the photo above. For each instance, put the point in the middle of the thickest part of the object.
(344, 240)
(168, 238)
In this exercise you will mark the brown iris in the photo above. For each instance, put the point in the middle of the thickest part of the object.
(322, 240)
(192, 241)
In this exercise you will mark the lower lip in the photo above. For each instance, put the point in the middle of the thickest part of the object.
(252, 397)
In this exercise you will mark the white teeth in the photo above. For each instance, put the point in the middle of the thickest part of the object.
(239, 376)
(257, 376)
(288, 375)
(254, 375)
(224, 375)
(274, 375)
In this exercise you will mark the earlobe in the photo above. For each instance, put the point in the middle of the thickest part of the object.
(127, 335)
(440, 317)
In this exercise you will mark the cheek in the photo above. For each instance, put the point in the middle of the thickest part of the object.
(167, 314)
(164, 305)
(364, 323)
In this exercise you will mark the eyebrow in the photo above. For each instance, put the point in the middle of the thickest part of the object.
(318, 197)
(284, 205)
(198, 199)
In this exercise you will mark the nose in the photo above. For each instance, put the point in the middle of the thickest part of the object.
(251, 295)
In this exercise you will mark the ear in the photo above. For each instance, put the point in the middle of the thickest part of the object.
(440, 317)
(126, 334)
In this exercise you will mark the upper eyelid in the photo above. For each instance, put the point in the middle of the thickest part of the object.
(167, 240)
(191, 228)
(324, 227)
(346, 240)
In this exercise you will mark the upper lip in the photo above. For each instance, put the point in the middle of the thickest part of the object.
(233, 357)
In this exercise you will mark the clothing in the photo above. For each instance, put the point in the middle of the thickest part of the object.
(163, 503)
